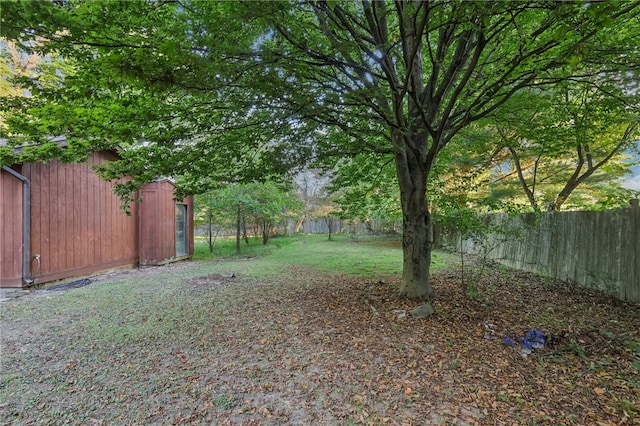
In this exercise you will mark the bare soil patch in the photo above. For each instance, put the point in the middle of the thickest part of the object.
(302, 347)
(212, 279)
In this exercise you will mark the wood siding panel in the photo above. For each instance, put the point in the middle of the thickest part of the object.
(77, 226)
(168, 220)
(40, 191)
(75, 260)
(92, 221)
(82, 200)
(64, 234)
(148, 220)
(10, 230)
(72, 254)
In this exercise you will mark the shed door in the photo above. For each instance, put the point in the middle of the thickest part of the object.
(181, 230)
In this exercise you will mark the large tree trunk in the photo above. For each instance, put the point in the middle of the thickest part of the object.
(416, 218)
(416, 249)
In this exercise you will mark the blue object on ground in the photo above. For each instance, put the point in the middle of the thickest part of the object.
(534, 339)
(509, 342)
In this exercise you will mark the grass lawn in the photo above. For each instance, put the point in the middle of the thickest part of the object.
(371, 257)
(310, 331)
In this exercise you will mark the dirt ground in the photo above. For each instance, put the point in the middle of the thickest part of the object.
(174, 345)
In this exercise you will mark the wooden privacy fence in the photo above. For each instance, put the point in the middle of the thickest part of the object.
(599, 250)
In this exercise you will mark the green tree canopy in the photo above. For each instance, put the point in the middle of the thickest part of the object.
(262, 206)
(553, 142)
(236, 89)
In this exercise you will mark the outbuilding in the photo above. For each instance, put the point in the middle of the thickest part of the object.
(60, 220)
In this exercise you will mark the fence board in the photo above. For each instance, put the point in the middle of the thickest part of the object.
(598, 250)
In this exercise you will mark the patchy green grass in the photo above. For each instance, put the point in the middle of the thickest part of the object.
(368, 257)
(225, 247)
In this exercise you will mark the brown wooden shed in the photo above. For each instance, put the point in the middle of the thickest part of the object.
(60, 220)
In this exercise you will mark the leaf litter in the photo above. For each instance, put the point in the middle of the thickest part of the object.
(304, 347)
